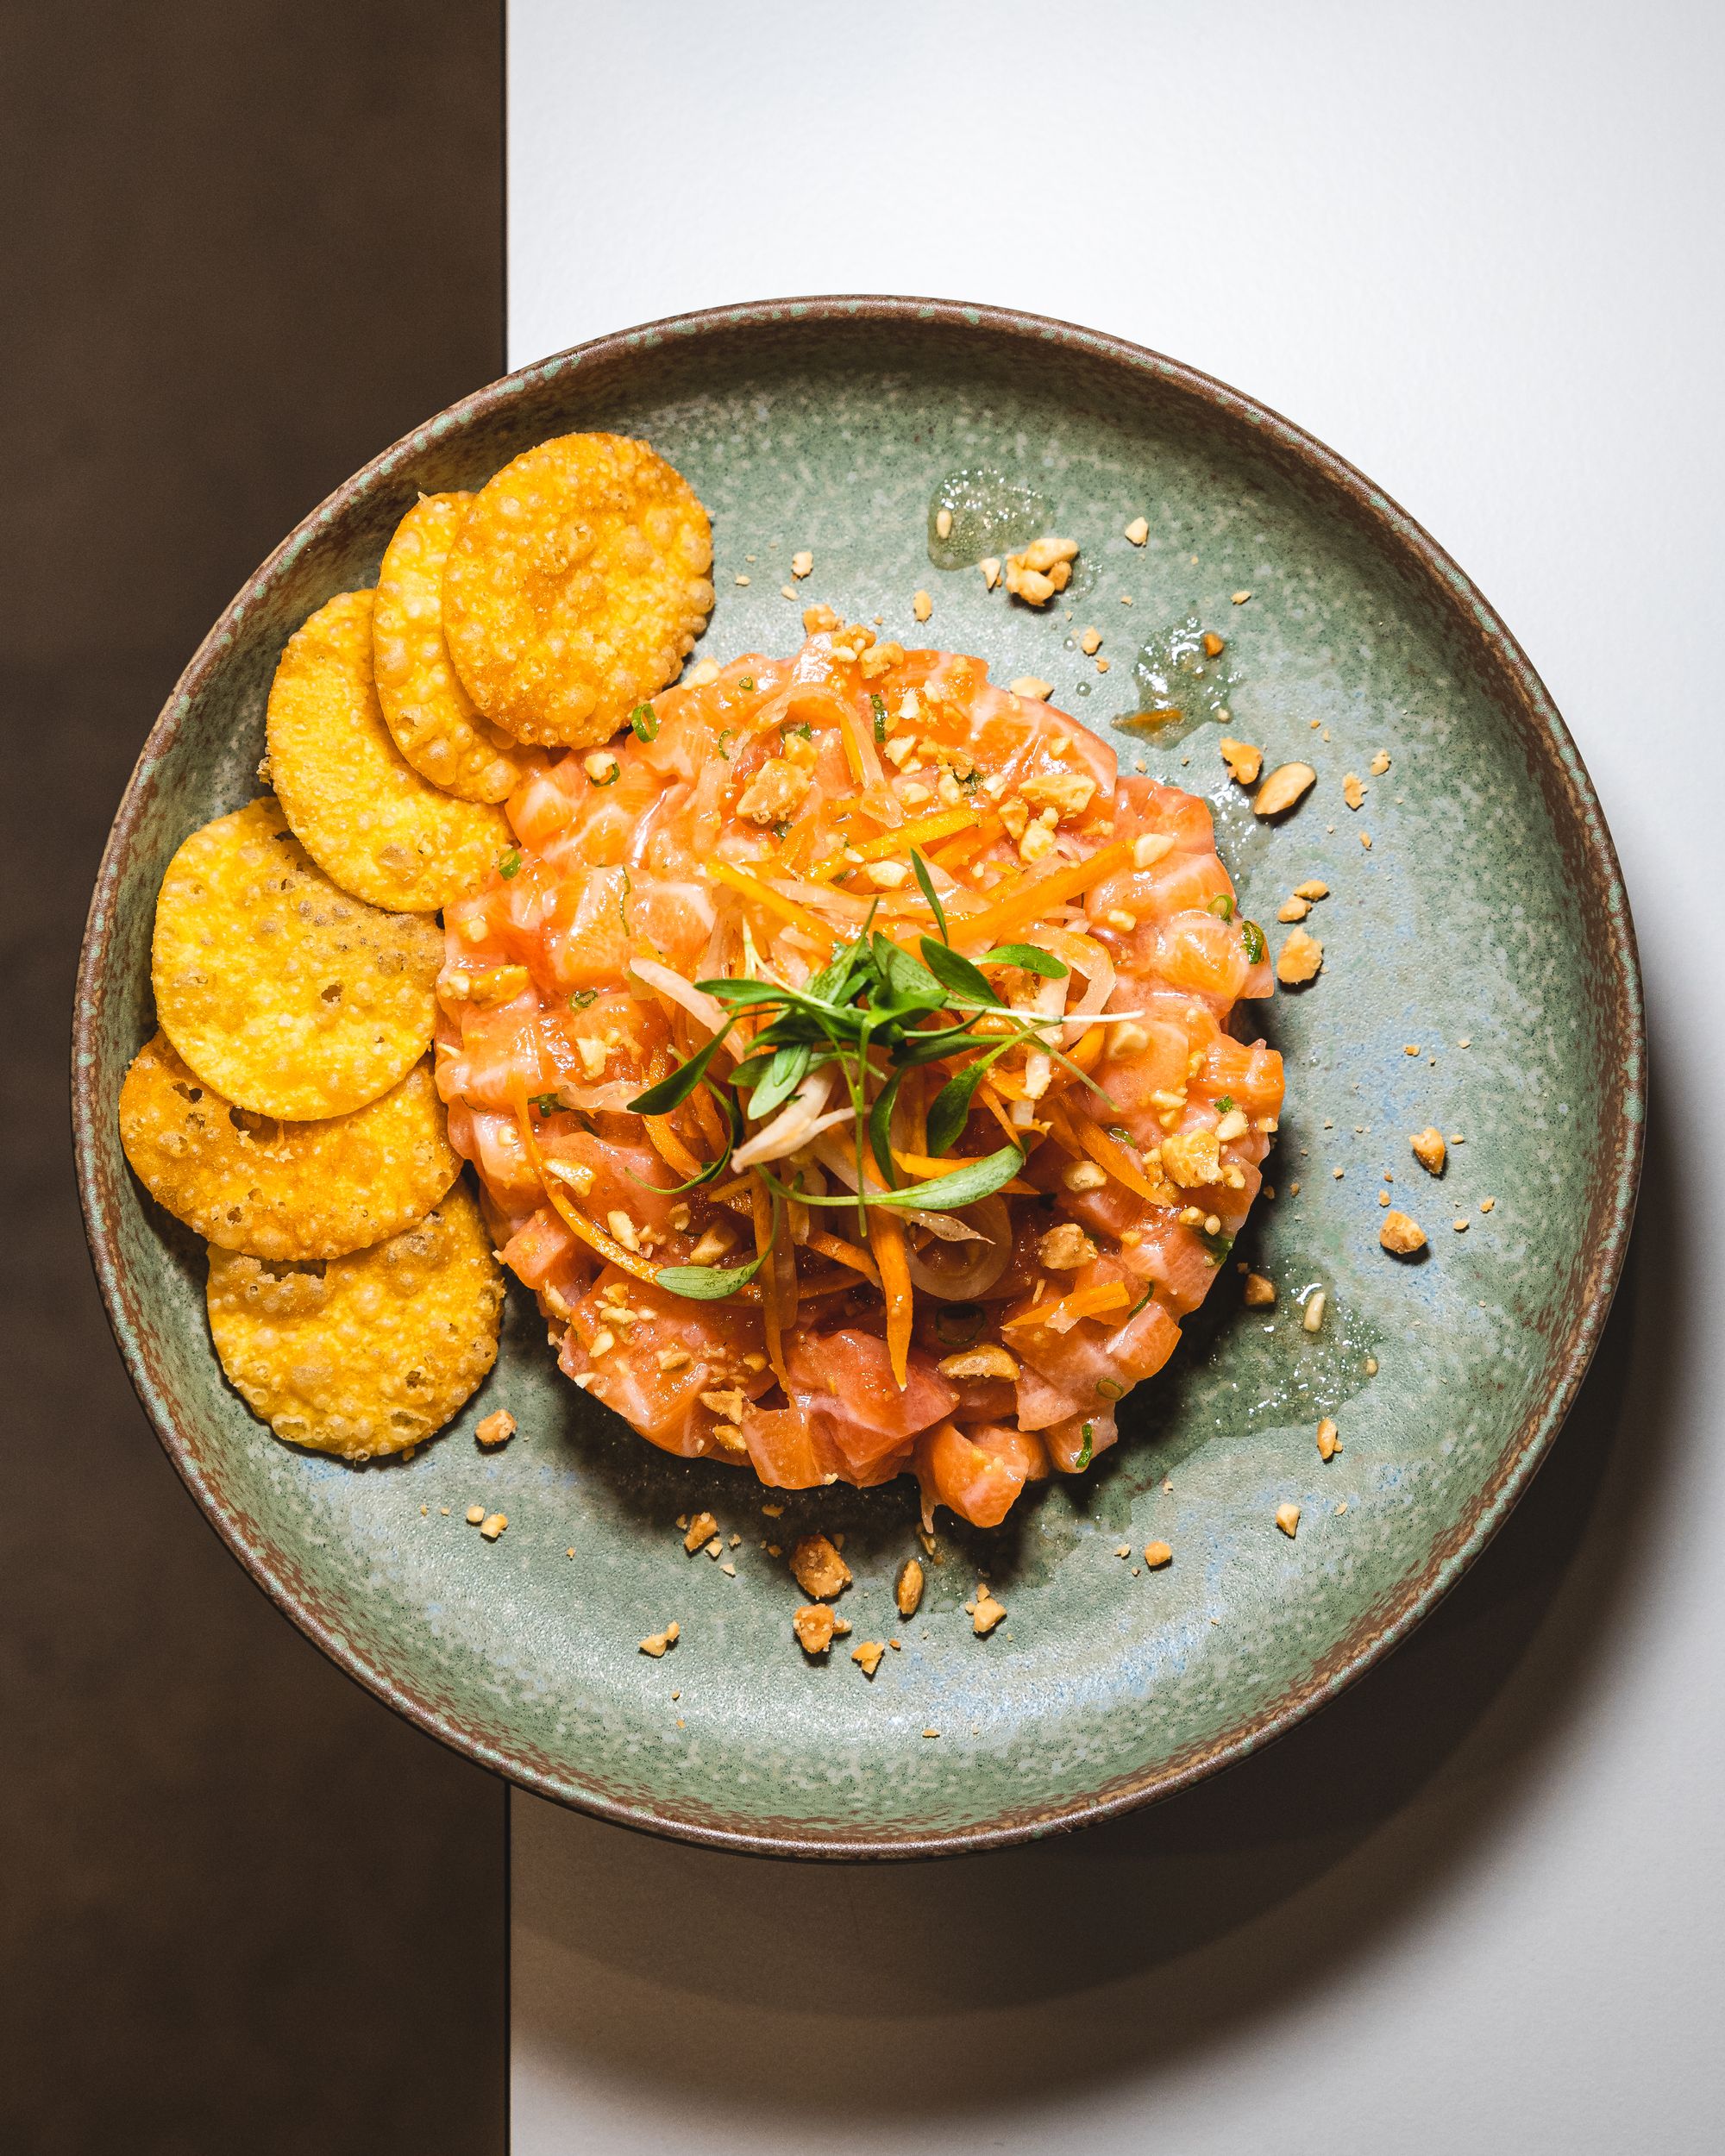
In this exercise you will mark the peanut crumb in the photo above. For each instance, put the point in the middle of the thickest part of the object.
(1353, 790)
(742, 579)
(656, 1642)
(1239, 598)
(772, 1512)
(814, 1626)
(1213, 648)
(907, 1589)
(1293, 910)
(1156, 1554)
(1285, 786)
(1329, 1439)
(988, 1612)
(1401, 1235)
(1486, 1204)
(1287, 1519)
(1460, 1226)
(1138, 530)
(700, 1530)
(818, 1568)
(943, 524)
(1244, 761)
(990, 566)
(1429, 1148)
(1044, 568)
(1312, 889)
(1380, 764)
(867, 1656)
(802, 563)
(1312, 1317)
(922, 605)
(930, 1733)
(1033, 687)
(498, 1428)
(1365, 839)
(1260, 1291)
(476, 1514)
(1301, 959)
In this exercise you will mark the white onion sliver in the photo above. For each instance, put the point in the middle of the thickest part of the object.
(791, 1126)
(671, 983)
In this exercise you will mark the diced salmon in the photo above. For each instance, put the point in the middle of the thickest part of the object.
(844, 1381)
(980, 1487)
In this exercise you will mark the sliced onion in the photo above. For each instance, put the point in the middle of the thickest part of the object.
(794, 1124)
(953, 1278)
(670, 983)
(1084, 955)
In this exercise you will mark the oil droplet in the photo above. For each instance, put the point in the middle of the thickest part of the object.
(1178, 688)
(990, 513)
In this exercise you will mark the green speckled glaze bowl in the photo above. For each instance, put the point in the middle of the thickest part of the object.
(1488, 910)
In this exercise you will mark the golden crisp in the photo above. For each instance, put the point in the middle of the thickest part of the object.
(369, 1353)
(427, 710)
(576, 587)
(284, 1190)
(282, 993)
(360, 809)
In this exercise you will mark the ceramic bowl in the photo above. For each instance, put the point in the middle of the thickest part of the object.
(1479, 974)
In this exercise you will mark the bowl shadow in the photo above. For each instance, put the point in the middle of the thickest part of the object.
(1138, 1945)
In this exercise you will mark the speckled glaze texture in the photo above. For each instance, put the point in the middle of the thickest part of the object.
(1490, 907)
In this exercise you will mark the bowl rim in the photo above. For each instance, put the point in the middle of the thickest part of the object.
(1545, 734)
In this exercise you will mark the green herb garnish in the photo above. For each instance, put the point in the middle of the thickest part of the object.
(548, 1103)
(1111, 1388)
(1252, 937)
(747, 684)
(644, 722)
(581, 997)
(878, 705)
(1216, 1247)
(1222, 907)
(1085, 1454)
(510, 864)
(1225, 1105)
(611, 777)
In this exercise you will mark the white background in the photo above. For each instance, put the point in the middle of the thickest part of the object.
(1476, 1905)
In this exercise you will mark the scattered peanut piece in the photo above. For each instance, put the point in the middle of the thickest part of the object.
(1312, 1317)
(493, 1524)
(1138, 530)
(656, 1642)
(1312, 889)
(1090, 642)
(943, 524)
(1287, 1519)
(1286, 785)
(814, 1626)
(867, 1657)
(1156, 1554)
(818, 1568)
(802, 563)
(1214, 645)
(1429, 1148)
(1353, 790)
(1329, 1439)
(1033, 687)
(1044, 568)
(1486, 1204)
(990, 566)
(1380, 764)
(497, 1427)
(1401, 1235)
(908, 1589)
(1239, 598)
(704, 671)
(1243, 760)
(701, 1530)
(922, 605)
(987, 1612)
(1293, 909)
(476, 1514)
(1460, 1226)
(1260, 1291)
(1299, 959)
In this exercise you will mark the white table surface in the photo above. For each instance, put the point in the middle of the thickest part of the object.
(1476, 1905)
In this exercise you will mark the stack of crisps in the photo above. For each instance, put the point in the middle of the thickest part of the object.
(286, 1110)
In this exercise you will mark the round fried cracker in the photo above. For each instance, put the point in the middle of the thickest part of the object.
(356, 804)
(427, 710)
(282, 993)
(576, 587)
(274, 1189)
(369, 1353)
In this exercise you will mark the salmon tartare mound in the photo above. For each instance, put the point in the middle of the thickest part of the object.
(850, 1058)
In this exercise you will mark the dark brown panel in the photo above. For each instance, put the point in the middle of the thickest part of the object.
(246, 246)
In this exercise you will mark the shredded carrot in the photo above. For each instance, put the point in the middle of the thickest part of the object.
(1082, 1302)
(1033, 898)
(844, 1253)
(707, 1115)
(787, 909)
(1078, 1134)
(921, 833)
(669, 1147)
(761, 1205)
(913, 1092)
(887, 1237)
(1088, 1052)
(996, 1106)
(958, 851)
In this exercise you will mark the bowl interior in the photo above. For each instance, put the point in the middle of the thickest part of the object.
(1486, 910)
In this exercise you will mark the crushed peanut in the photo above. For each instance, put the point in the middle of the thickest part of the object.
(702, 1528)
(818, 1568)
(493, 1524)
(655, 1643)
(1044, 568)
(775, 792)
(1429, 1148)
(476, 1514)
(1067, 792)
(1189, 1158)
(674, 1358)
(1084, 1174)
(802, 563)
(986, 1613)
(1260, 1291)
(1138, 530)
(1239, 598)
(1286, 785)
(1401, 1235)
(1287, 1519)
(1460, 1226)
(1243, 761)
(1293, 909)
(1065, 1248)
(990, 566)
(497, 1427)
(867, 1657)
(1033, 686)
(907, 1588)
(1329, 1439)
(1301, 959)
(814, 1626)
(1353, 790)
(988, 1361)
(922, 605)
(1312, 1317)
(1156, 1554)
(1380, 764)
(1090, 642)
(1312, 889)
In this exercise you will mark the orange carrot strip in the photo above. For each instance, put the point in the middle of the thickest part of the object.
(570, 1214)
(958, 851)
(923, 832)
(844, 1253)
(707, 1115)
(1078, 1134)
(761, 1205)
(669, 1147)
(999, 923)
(1082, 1302)
(1087, 1054)
(886, 1238)
(787, 909)
(996, 1106)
